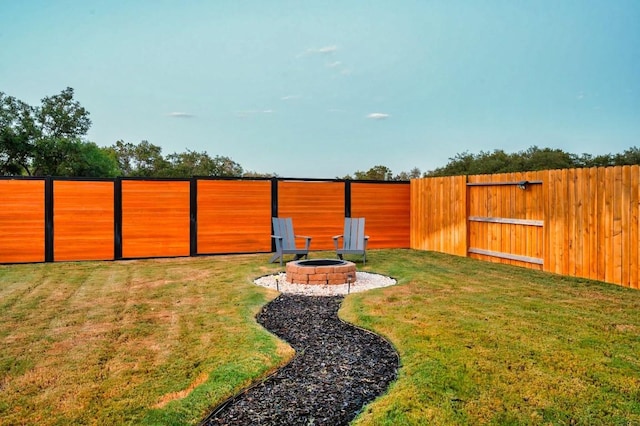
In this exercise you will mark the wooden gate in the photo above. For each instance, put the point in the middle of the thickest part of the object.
(505, 221)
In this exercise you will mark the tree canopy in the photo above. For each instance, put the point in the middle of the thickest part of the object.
(146, 160)
(531, 159)
(47, 139)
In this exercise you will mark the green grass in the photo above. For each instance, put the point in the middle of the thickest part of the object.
(153, 342)
(163, 341)
(491, 344)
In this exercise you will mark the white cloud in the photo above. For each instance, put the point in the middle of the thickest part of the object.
(328, 49)
(378, 116)
(290, 97)
(319, 51)
(180, 115)
(334, 64)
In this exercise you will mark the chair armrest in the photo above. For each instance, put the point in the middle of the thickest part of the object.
(335, 241)
(307, 241)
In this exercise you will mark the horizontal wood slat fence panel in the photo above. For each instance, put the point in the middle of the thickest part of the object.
(590, 220)
(384, 207)
(155, 218)
(438, 215)
(22, 221)
(234, 216)
(83, 220)
(317, 209)
(61, 219)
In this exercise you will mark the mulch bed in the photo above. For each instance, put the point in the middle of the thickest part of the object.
(338, 368)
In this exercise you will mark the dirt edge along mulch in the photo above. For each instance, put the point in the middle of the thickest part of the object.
(338, 368)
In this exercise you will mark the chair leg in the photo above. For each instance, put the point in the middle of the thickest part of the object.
(275, 257)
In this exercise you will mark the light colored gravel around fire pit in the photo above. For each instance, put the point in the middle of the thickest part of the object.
(364, 281)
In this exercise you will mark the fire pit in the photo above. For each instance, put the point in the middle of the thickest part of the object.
(321, 272)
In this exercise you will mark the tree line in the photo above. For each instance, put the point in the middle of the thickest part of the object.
(531, 159)
(49, 140)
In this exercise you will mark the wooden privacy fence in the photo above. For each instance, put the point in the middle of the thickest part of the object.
(576, 222)
(54, 219)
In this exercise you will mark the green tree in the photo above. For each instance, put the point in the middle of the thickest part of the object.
(72, 157)
(375, 173)
(411, 174)
(192, 163)
(26, 132)
(18, 133)
(60, 116)
(254, 174)
(629, 157)
(142, 160)
(498, 161)
(536, 158)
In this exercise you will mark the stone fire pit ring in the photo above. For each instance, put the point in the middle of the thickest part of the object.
(321, 272)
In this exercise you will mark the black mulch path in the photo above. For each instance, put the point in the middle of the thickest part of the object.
(338, 369)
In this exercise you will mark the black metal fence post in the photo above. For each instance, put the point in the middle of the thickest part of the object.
(117, 219)
(48, 219)
(347, 198)
(193, 215)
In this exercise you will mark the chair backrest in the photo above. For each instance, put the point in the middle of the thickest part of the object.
(283, 227)
(354, 233)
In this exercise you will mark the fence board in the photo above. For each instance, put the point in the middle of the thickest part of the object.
(634, 229)
(155, 218)
(317, 209)
(21, 221)
(83, 220)
(384, 207)
(608, 225)
(591, 230)
(558, 234)
(574, 221)
(439, 220)
(625, 212)
(234, 216)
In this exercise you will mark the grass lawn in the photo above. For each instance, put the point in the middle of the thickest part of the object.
(163, 341)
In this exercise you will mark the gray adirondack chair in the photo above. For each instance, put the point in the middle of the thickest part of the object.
(354, 240)
(285, 240)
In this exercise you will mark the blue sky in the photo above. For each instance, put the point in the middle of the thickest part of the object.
(322, 89)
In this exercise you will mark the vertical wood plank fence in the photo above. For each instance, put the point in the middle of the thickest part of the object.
(439, 215)
(576, 222)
